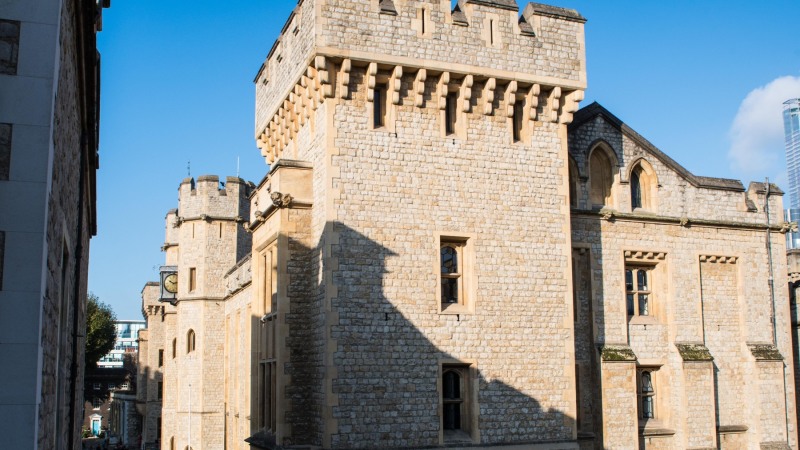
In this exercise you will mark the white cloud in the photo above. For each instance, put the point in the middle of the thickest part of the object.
(756, 134)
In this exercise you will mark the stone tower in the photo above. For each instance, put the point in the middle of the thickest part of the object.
(411, 245)
(204, 238)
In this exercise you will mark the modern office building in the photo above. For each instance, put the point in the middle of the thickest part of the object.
(127, 342)
(791, 127)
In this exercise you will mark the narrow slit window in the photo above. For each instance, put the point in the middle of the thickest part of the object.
(450, 113)
(379, 105)
(192, 279)
(491, 31)
(517, 121)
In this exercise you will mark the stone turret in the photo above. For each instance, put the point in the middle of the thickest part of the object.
(204, 240)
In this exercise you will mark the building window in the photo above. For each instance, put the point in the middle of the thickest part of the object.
(637, 290)
(573, 183)
(517, 120)
(451, 273)
(97, 402)
(268, 377)
(97, 386)
(190, 341)
(125, 386)
(174, 348)
(160, 357)
(455, 400)
(192, 279)
(270, 280)
(379, 106)
(160, 390)
(646, 393)
(455, 292)
(450, 113)
(636, 190)
(643, 186)
(112, 386)
(601, 178)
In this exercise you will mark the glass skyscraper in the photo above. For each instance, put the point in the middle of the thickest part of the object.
(791, 127)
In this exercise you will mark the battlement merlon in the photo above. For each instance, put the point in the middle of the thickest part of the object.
(323, 39)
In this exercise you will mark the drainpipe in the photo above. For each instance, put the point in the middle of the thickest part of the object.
(772, 298)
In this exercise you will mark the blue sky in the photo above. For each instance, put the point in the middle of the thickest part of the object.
(702, 80)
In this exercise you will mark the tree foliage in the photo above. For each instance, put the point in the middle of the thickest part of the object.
(101, 332)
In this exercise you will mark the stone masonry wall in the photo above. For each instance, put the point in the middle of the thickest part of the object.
(63, 240)
(359, 30)
(676, 196)
(396, 193)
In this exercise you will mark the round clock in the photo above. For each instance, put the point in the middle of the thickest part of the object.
(171, 283)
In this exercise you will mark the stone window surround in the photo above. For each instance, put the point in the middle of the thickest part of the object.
(655, 262)
(468, 372)
(191, 341)
(465, 245)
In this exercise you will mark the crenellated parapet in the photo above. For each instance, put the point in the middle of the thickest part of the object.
(484, 49)
(209, 199)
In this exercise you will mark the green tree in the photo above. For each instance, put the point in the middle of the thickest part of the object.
(101, 332)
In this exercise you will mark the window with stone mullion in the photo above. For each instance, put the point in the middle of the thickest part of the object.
(637, 291)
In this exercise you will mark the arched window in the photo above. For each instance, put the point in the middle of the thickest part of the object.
(190, 341)
(573, 183)
(452, 400)
(643, 186)
(636, 190)
(601, 178)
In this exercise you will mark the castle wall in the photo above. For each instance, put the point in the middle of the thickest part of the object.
(709, 310)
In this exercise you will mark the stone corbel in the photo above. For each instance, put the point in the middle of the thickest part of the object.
(344, 78)
(281, 200)
(788, 227)
(395, 83)
(511, 98)
(313, 87)
(442, 90)
(466, 93)
(533, 100)
(419, 87)
(372, 73)
(570, 106)
(324, 77)
(488, 96)
(553, 103)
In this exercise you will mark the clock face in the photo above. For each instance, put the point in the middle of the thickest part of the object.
(171, 283)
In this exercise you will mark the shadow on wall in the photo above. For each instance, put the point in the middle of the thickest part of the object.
(394, 388)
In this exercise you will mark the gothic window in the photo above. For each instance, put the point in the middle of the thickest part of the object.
(643, 186)
(456, 402)
(190, 341)
(452, 399)
(646, 393)
(638, 294)
(601, 178)
(455, 292)
(636, 190)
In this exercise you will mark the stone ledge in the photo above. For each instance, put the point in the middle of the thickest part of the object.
(617, 353)
(694, 352)
(765, 352)
(731, 429)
